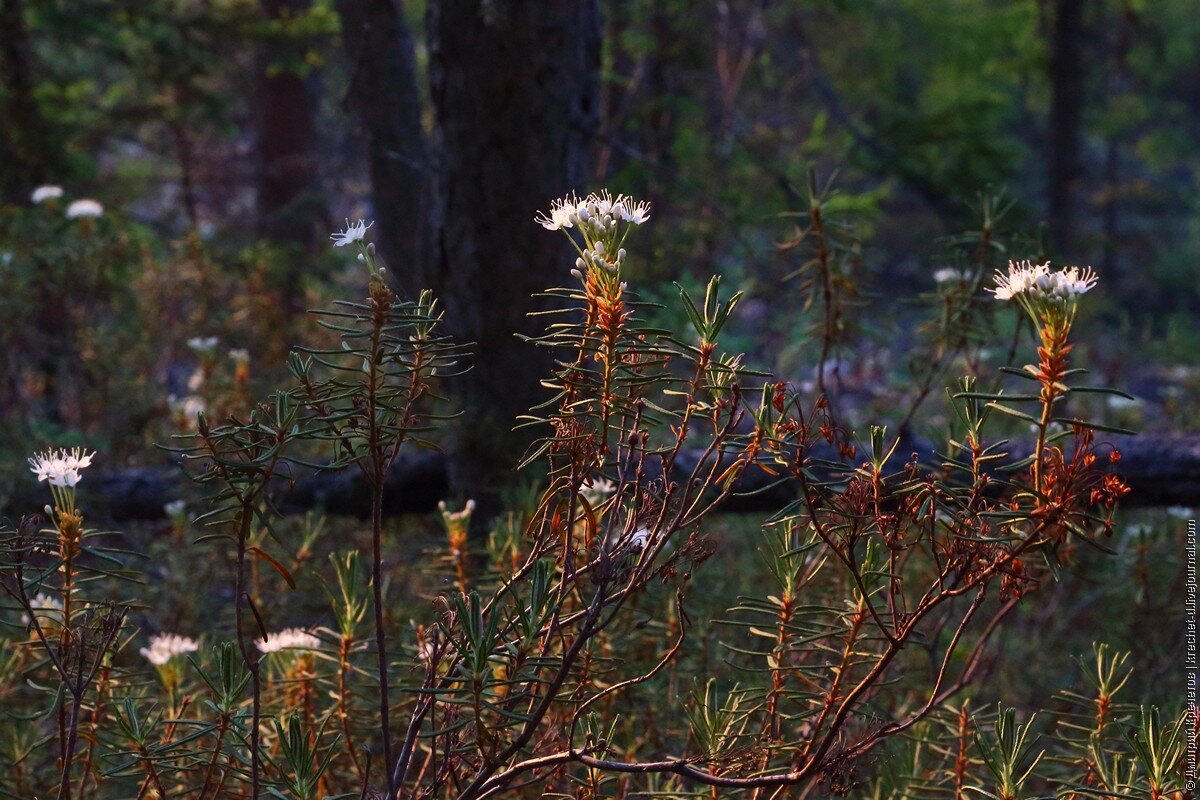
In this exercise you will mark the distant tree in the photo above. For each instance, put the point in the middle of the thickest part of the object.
(25, 140)
(1065, 136)
(514, 87)
(384, 98)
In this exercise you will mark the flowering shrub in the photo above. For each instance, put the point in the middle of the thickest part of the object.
(530, 671)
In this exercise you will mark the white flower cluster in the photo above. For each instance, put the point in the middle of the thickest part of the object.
(289, 639)
(46, 608)
(597, 491)
(1050, 298)
(948, 274)
(60, 468)
(203, 345)
(1038, 282)
(452, 517)
(602, 222)
(165, 646)
(598, 212)
(83, 207)
(43, 193)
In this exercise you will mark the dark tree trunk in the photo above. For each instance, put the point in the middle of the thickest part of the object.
(290, 205)
(1064, 138)
(383, 96)
(514, 85)
(26, 146)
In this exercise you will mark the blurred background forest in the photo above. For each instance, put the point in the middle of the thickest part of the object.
(226, 138)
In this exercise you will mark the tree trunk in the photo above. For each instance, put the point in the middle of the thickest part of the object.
(514, 85)
(290, 205)
(1064, 137)
(383, 96)
(26, 144)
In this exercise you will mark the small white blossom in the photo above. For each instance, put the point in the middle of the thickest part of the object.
(175, 508)
(1181, 512)
(597, 491)
(165, 646)
(60, 467)
(456, 516)
(46, 608)
(85, 207)
(188, 406)
(43, 193)
(633, 212)
(289, 639)
(946, 275)
(354, 233)
(240, 356)
(640, 538)
(203, 344)
(561, 212)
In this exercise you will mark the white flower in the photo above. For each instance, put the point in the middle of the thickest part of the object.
(289, 639)
(240, 356)
(561, 212)
(60, 467)
(640, 538)
(635, 212)
(175, 508)
(354, 233)
(1074, 281)
(46, 608)
(203, 344)
(1181, 512)
(165, 646)
(597, 491)
(43, 193)
(1036, 282)
(947, 274)
(1020, 279)
(85, 207)
(188, 406)
(456, 516)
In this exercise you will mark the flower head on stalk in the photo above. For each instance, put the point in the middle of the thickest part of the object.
(43, 193)
(47, 609)
(1049, 297)
(289, 639)
(457, 524)
(162, 653)
(355, 234)
(85, 208)
(601, 223)
(165, 646)
(61, 470)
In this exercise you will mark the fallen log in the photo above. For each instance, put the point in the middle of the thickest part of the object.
(1161, 470)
